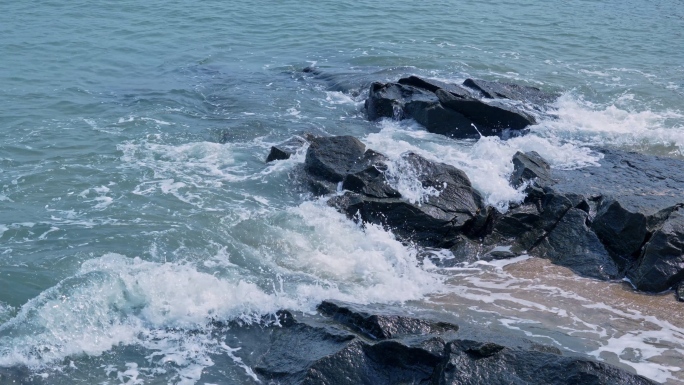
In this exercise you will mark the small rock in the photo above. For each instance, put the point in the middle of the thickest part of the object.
(530, 166)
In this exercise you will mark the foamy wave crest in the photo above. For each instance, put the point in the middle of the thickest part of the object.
(487, 161)
(117, 300)
(621, 123)
(300, 257)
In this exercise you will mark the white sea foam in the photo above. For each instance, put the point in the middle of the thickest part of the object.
(181, 170)
(619, 123)
(487, 161)
(115, 300)
(403, 177)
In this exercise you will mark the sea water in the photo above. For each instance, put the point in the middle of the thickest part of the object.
(136, 207)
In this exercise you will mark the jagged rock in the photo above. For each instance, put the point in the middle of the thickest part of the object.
(662, 264)
(440, 120)
(494, 90)
(488, 117)
(330, 159)
(621, 218)
(455, 208)
(530, 166)
(446, 109)
(388, 100)
(370, 182)
(572, 244)
(380, 327)
(679, 292)
(289, 147)
(475, 363)
(338, 351)
(434, 85)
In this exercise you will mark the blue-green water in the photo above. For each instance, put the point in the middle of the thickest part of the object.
(135, 202)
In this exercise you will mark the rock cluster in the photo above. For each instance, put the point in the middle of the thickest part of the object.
(621, 219)
(353, 345)
(470, 110)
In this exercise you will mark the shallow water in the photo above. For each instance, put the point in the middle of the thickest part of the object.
(135, 205)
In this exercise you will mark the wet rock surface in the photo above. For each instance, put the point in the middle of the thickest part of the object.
(452, 208)
(340, 349)
(289, 147)
(458, 111)
(621, 218)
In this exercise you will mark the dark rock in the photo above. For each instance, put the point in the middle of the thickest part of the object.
(489, 116)
(635, 196)
(480, 349)
(295, 347)
(621, 218)
(440, 120)
(347, 82)
(463, 249)
(445, 109)
(414, 351)
(572, 244)
(455, 208)
(332, 158)
(500, 252)
(530, 166)
(422, 223)
(662, 264)
(679, 292)
(289, 147)
(641, 183)
(380, 327)
(475, 363)
(370, 182)
(434, 85)
(388, 100)
(494, 90)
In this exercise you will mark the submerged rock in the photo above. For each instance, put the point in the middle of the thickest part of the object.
(454, 110)
(357, 345)
(289, 147)
(378, 326)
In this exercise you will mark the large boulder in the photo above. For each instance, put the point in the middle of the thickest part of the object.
(572, 244)
(361, 346)
(437, 220)
(330, 159)
(661, 265)
(446, 109)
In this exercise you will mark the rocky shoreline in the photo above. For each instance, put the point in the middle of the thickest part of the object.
(620, 220)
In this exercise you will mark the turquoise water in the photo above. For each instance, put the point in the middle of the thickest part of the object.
(135, 203)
